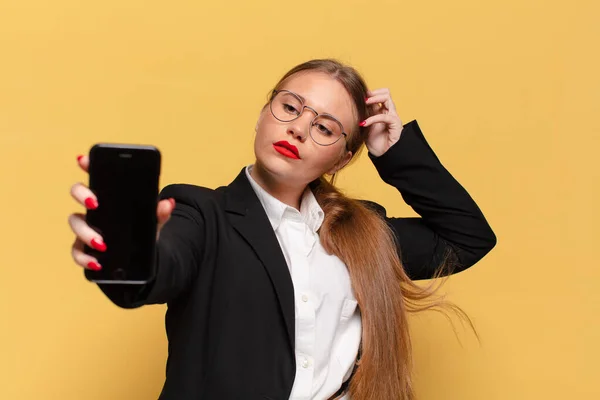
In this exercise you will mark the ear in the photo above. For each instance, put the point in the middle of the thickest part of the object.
(341, 163)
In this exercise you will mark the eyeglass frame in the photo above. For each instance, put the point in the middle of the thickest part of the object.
(276, 92)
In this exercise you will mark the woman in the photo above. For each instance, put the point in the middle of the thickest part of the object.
(278, 286)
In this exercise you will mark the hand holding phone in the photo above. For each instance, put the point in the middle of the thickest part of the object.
(115, 240)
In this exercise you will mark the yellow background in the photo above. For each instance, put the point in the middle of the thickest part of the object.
(507, 93)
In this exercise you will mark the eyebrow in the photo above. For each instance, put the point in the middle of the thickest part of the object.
(304, 101)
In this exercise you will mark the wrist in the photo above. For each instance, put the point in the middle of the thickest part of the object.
(378, 151)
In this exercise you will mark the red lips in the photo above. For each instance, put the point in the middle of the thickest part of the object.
(287, 149)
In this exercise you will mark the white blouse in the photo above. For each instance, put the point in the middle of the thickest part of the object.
(328, 324)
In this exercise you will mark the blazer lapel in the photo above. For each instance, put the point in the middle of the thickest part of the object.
(249, 218)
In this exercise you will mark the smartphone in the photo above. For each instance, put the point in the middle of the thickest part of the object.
(125, 179)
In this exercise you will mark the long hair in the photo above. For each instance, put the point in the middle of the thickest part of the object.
(361, 238)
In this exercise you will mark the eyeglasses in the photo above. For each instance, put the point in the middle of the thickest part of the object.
(287, 106)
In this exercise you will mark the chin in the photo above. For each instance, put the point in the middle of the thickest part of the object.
(275, 166)
(281, 170)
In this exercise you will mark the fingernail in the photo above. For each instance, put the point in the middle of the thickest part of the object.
(172, 201)
(94, 266)
(366, 99)
(98, 244)
(79, 158)
(363, 123)
(91, 203)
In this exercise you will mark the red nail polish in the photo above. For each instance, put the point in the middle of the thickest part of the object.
(98, 245)
(91, 203)
(79, 158)
(94, 266)
(363, 123)
(366, 99)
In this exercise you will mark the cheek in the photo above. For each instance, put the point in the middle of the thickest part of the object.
(262, 132)
(265, 126)
(266, 134)
(326, 157)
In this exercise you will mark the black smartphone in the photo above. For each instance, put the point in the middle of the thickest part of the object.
(125, 180)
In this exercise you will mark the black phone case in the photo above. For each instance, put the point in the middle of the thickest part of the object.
(125, 180)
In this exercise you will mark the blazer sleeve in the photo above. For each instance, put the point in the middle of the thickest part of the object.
(451, 231)
(178, 255)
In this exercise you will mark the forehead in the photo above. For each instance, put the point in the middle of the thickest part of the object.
(323, 93)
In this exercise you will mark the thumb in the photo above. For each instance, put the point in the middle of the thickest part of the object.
(163, 212)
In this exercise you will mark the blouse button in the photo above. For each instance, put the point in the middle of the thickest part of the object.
(304, 298)
(305, 363)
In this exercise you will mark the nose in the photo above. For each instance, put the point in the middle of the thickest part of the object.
(299, 127)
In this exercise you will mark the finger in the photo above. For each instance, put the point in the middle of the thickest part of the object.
(83, 195)
(82, 259)
(385, 99)
(85, 233)
(83, 162)
(164, 210)
(382, 118)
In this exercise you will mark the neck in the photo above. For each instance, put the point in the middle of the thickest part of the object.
(286, 193)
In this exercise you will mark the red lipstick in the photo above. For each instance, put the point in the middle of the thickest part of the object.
(287, 149)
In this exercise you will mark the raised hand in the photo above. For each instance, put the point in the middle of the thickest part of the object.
(385, 125)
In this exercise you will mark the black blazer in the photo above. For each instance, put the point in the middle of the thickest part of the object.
(230, 318)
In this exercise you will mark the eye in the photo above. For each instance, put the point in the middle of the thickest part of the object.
(323, 129)
(290, 109)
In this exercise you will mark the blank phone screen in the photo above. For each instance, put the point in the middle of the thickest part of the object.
(125, 181)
